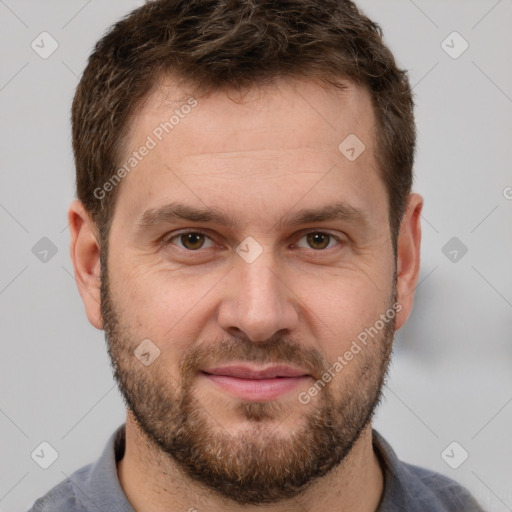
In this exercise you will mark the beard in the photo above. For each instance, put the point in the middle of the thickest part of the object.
(260, 463)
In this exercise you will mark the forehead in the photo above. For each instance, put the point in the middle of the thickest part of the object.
(288, 134)
(254, 116)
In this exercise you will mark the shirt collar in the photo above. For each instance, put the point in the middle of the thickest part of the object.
(102, 480)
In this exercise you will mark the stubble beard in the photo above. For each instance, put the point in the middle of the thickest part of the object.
(260, 465)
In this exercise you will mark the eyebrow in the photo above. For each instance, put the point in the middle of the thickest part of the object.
(178, 211)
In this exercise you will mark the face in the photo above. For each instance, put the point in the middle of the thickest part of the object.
(255, 256)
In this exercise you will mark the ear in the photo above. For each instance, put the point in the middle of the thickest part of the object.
(85, 254)
(408, 257)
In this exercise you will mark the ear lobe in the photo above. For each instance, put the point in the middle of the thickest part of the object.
(85, 255)
(408, 257)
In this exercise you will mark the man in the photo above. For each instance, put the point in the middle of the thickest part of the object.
(246, 235)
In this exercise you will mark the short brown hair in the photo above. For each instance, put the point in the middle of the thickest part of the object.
(236, 44)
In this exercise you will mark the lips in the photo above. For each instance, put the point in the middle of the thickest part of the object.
(247, 372)
(256, 384)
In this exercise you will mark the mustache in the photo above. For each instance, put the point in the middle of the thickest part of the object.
(276, 350)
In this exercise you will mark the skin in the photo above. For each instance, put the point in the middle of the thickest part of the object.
(258, 159)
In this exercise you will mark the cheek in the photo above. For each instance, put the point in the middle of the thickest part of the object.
(173, 308)
(170, 310)
(343, 308)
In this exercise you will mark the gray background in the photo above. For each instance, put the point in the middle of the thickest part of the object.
(451, 376)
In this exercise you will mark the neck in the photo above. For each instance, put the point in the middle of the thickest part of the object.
(153, 483)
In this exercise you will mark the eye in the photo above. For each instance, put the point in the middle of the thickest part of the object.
(318, 240)
(191, 240)
(195, 240)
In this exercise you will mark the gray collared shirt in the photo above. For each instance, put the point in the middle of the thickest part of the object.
(407, 488)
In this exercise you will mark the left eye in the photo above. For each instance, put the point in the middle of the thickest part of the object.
(318, 240)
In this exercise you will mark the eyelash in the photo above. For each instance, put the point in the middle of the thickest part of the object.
(168, 239)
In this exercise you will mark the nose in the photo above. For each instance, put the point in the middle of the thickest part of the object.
(258, 302)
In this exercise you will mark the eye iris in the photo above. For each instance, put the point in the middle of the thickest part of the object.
(192, 240)
(318, 239)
